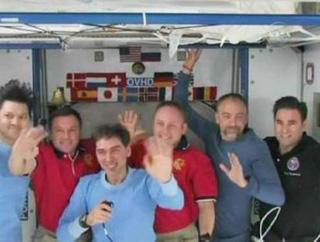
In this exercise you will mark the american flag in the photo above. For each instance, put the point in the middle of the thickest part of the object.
(130, 54)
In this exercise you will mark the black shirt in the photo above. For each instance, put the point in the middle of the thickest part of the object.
(299, 172)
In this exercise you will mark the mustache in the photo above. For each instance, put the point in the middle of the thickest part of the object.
(233, 128)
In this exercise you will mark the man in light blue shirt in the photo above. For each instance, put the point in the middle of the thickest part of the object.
(15, 107)
(119, 203)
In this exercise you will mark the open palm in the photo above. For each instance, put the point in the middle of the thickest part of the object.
(235, 171)
(159, 158)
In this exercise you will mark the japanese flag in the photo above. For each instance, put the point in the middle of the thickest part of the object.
(108, 94)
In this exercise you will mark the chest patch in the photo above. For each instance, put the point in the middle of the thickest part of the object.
(178, 164)
(293, 164)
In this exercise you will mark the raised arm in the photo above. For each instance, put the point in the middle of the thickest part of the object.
(24, 150)
(196, 122)
(130, 120)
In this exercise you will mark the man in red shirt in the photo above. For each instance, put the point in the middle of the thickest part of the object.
(58, 166)
(193, 172)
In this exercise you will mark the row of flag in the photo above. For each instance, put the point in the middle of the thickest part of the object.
(117, 87)
(96, 80)
(138, 94)
(134, 54)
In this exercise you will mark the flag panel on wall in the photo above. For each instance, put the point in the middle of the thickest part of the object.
(169, 93)
(165, 93)
(150, 56)
(130, 54)
(132, 94)
(108, 94)
(116, 80)
(87, 95)
(202, 93)
(76, 80)
(163, 79)
(148, 94)
(198, 93)
(122, 94)
(95, 82)
(113, 87)
(210, 93)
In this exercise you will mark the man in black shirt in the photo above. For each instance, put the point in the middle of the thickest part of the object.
(297, 159)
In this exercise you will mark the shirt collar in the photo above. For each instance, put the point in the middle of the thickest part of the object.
(183, 144)
(297, 149)
(79, 150)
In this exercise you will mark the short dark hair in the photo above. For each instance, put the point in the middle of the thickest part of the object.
(232, 96)
(112, 131)
(290, 102)
(16, 91)
(62, 112)
(172, 104)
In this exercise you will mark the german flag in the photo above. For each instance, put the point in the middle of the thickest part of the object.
(163, 79)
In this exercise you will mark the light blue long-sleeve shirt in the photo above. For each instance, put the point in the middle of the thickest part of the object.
(13, 191)
(132, 217)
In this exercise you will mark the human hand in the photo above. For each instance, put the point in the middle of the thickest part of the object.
(235, 172)
(192, 56)
(100, 214)
(129, 119)
(159, 158)
(26, 145)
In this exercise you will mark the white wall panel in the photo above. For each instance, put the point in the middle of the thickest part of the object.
(311, 91)
(273, 73)
(15, 64)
